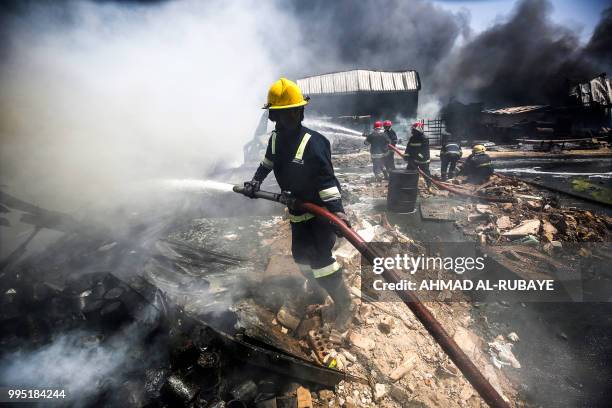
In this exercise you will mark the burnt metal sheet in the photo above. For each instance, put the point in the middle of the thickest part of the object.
(279, 361)
(360, 81)
(598, 89)
(256, 322)
(516, 109)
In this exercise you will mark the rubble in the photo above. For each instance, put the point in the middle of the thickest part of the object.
(388, 359)
(513, 337)
(304, 400)
(527, 227)
(386, 324)
(364, 343)
(404, 368)
(501, 353)
(380, 390)
(504, 222)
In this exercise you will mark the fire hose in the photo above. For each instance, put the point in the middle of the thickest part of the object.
(452, 189)
(435, 329)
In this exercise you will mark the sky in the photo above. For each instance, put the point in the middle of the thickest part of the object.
(582, 14)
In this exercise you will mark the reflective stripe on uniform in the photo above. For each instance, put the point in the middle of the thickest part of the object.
(300, 150)
(326, 270)
(274, 142)
(267, 163)
(330, 194)
(300, 218)
(421, 161)
(378, 155)
(415, 144)
(484, 165)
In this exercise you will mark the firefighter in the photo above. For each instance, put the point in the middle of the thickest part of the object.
(301, 161)
(417, 151)
(450, 153)
(390, 158)
(477, 167)
(379, 151)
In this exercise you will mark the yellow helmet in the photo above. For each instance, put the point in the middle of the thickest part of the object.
(478, 149)
(285, 94)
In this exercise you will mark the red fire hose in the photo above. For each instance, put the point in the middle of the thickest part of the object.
(435, 329)
(446, 186)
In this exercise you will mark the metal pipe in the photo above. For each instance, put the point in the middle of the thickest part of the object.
(427, 319)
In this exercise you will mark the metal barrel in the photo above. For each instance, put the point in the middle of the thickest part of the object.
(403, 190)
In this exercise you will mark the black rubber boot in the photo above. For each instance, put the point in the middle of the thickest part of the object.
(313, 292)
(338, 290)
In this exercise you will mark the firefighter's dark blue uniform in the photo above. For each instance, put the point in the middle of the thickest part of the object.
(390, 158)
(478, 168)
(301, 161)
(449, 155)
(417, 152)
(379, 151)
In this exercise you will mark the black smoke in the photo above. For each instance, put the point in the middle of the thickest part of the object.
(599, 48)
(378, 34)
(525, 59)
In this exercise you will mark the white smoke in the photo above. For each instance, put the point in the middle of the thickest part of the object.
(97, 96)
(76, 363)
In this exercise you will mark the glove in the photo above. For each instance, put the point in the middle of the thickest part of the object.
(251, 187)
(345, 219)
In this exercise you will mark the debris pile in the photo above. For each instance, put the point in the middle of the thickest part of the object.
(387, 346)
(225, 332)
(533, 218)
(170, 315)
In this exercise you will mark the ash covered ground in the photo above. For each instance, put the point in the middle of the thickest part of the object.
(191, 304)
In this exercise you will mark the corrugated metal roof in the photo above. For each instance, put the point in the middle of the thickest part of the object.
(360, 80)
(516, 109)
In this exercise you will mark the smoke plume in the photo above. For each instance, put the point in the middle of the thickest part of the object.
(97, 97)
(527, 59)
(382, 35)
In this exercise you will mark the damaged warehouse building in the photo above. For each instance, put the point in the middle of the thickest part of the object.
(584, 115)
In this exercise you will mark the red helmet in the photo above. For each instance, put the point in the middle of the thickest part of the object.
(378, 124)
(417, 125)
(387, 123)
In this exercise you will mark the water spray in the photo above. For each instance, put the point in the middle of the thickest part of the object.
(196, 185)
(330, 125)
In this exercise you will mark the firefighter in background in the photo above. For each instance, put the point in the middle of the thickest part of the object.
(379, 151)
(450, 153)
(301, 161)
(417, 151)
(477, 167)
(390, 158)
